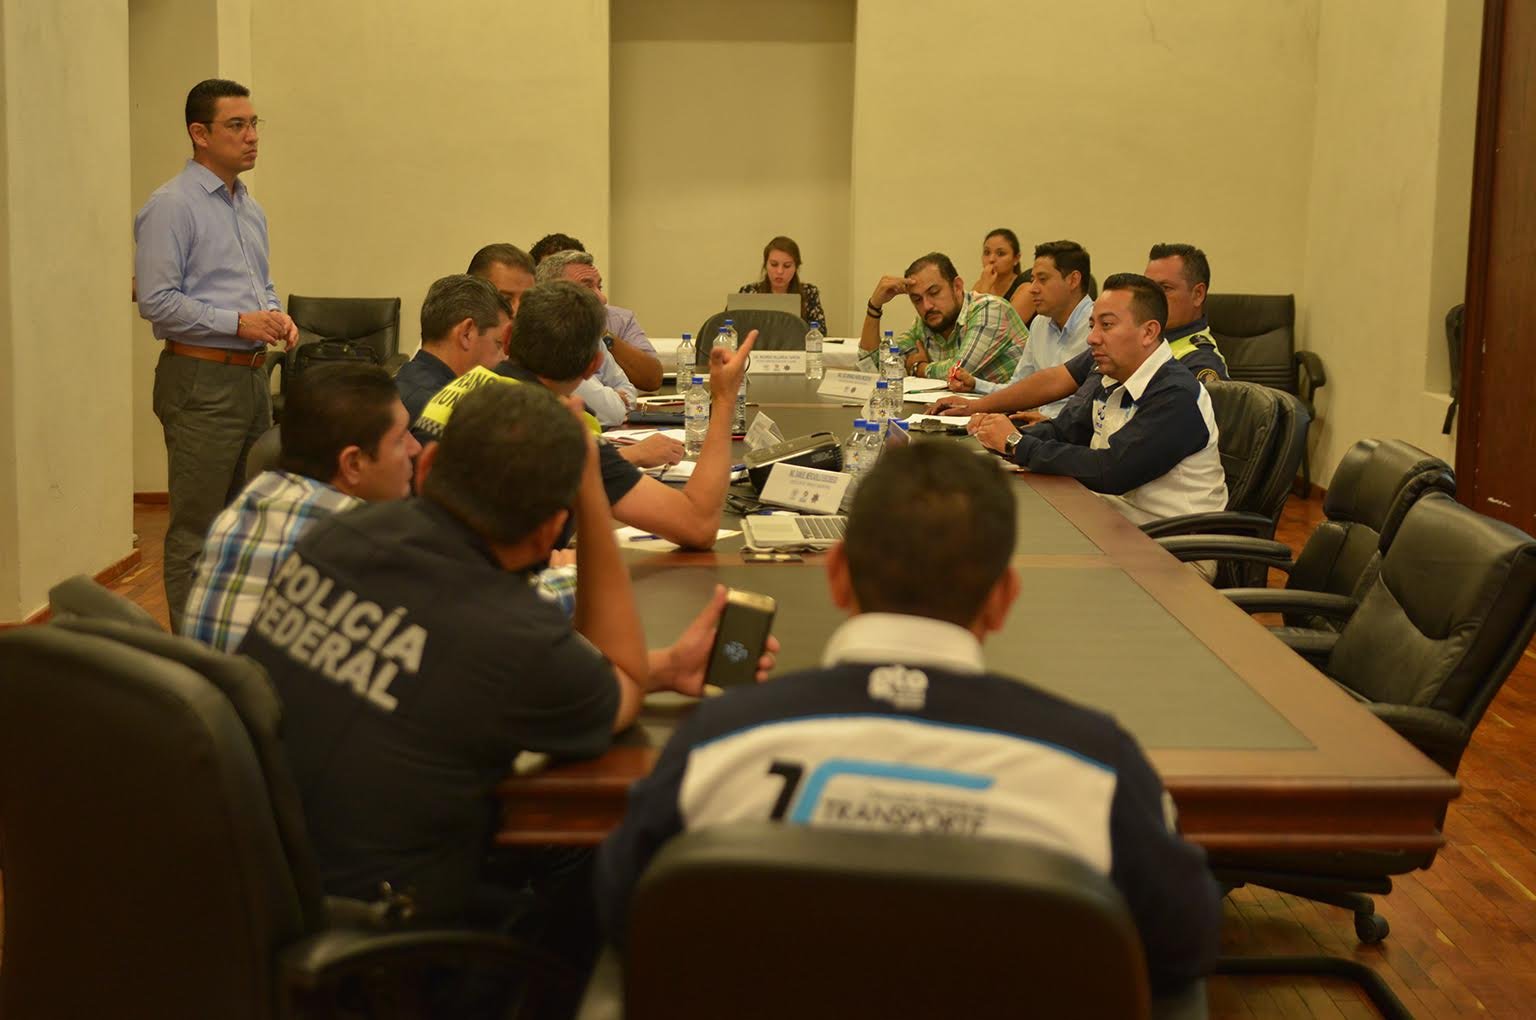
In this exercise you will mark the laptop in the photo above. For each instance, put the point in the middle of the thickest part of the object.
(763, 303)
(793, 531)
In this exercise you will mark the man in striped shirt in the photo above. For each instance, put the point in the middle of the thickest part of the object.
(345, 440)
(955, 329)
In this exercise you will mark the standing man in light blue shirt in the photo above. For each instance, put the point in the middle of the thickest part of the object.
(1061, 284)
(203, 282)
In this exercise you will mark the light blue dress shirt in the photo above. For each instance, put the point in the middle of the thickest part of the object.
(608, 394)
(201, 258)
(1049, 345)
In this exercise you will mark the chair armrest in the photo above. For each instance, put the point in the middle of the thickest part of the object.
(1440, 735)
(604, 997)
(1220, 522)
(1311, 376)
(1313, 645)
(1292, 600)
(1189, 548)
(394, 363)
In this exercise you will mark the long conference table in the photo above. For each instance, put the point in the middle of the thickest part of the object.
(1260, 752)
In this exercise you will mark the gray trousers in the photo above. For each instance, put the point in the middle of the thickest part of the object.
(211, 414)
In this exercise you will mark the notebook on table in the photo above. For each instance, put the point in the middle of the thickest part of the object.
(793, 531)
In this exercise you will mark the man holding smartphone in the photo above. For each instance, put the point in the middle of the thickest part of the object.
(888, 733)
(415, 661)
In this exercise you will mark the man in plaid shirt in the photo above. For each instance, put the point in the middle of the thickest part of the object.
(345, 439)
(980, 333)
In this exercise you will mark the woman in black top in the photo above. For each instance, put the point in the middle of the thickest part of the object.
(1001, 274)
(781, 275)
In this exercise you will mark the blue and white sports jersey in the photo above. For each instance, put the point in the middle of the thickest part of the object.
(928, 750)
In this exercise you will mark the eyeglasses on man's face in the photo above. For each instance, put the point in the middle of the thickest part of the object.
(238, 125)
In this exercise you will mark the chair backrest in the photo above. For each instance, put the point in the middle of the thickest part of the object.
(1448, 616)
(371, 321)
(1249, 426)
(263, 454)
(145, 872)
(1257, 336)
(81, 597)
(776, 331)
(1374, 486)
(791, 921)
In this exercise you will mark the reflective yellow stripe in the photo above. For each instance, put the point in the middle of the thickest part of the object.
(440, 408)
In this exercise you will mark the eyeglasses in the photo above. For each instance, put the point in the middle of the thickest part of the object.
(239, 124)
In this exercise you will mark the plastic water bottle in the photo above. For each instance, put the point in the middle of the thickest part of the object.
(880, 405)
(853, 452)
(894, 369)
(739, 417)
(874, 445)
(685, 365)
(726, 339)
(813, 338)
(695, 416)
(730, 329)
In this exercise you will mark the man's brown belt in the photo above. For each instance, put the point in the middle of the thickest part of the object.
(251, 359)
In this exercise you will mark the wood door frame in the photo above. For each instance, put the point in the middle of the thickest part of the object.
(1479, 243)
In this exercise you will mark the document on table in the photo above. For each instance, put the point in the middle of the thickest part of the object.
(929, 396)
(623, 436)
(916, 384)
(943, 419)
(634, 538)
(679, 472)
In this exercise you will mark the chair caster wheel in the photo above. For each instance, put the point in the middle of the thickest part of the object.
(1371, 928)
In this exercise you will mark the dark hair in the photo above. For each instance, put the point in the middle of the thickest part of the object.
(510, 456)
(1196, 268)
(558, 328)
(1011, 238)
(1147, 299)
(453, 299)
(499, 255)
(937, 260)
(328, 408)
(1070, 257)
(934, 489)
(788, 246)
(551, 243)
(205, 95)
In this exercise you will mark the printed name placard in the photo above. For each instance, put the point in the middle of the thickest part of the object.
(842, 383)
(805, 488)
(776, 363)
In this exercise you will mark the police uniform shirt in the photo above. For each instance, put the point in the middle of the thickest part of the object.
(1192, 344)
(903, 730)
(1150, 442)
(419, 380)
(413, 668)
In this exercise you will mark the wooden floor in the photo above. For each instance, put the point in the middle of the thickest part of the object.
(1463, 939)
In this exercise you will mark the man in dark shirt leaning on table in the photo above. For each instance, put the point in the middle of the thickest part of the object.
(415, 660)
(895, 722)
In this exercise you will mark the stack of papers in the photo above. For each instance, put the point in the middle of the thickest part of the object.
(947, 419)
(634, 538)
(625, 436)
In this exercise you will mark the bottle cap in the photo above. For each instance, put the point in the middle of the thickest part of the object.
(697, 381)
(858, 423)
(882, 385)
(722, 329)
(815, 323)
(687, 336)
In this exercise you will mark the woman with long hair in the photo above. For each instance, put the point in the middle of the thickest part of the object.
(1001, 273)
(781, 275)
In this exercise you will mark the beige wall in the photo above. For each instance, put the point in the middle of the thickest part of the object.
(65, 257)
(1114, 123)
(406, 135)
(172, 45)
(1388, 211)
(732, 124)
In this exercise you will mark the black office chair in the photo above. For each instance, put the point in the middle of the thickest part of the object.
(155, 858)
(1428, 647)
(1455, 330)
(1374, 486)
(1261, 435)
(1257, 337)
(264, 453)
(791, 921)
(370, 322)
(80, 597)
(776, 331)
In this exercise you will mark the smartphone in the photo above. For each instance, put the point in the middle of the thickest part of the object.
(739, 640)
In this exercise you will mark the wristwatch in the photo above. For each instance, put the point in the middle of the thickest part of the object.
(1012, 443)
(608, 340)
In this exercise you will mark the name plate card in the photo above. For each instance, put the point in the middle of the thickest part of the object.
(776, 363)
(842, 383)
(805, 488)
